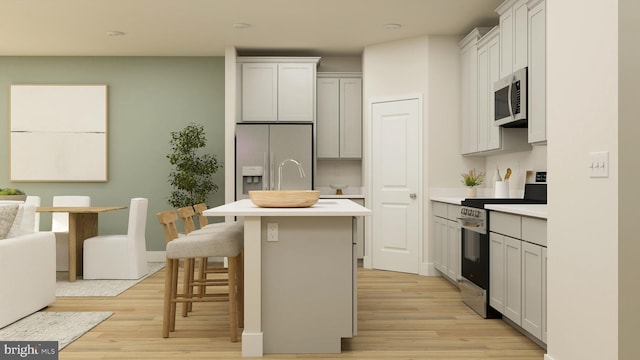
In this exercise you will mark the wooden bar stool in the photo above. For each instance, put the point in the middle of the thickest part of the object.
(230, 238)
(221, 244)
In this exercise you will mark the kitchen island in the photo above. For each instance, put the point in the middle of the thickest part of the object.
(300, 275)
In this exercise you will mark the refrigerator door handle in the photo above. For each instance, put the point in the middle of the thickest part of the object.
(272, 181)
(265, 176)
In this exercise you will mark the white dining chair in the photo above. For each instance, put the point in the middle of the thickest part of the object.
(35, 201)
(119, 256)
(60, 226)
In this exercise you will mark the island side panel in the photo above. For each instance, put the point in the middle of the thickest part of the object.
(307, 285)
(252, 341)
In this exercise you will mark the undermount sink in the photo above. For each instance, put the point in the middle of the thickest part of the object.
(284, 198)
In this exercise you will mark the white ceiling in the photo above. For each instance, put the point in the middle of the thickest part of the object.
(204, 27)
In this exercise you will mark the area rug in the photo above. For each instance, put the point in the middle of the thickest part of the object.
(83, 287)
(63, 327)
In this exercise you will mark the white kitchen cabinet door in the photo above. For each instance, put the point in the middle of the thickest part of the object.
(494, 133)
(537, 109)
(351, 118)
(259, 92)
(440, 241)
(513, 36)
(328, 118)
(544, 295)
(469, 98)
(339, 118)
(496, 271)
(489, 135)
(296, 92)
(532, 289)
(453, 240)
(513, 280)
(483, 96)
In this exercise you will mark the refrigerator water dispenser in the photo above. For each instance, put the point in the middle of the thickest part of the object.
(252, 178)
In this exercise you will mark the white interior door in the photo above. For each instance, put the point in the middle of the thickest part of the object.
(396, 185)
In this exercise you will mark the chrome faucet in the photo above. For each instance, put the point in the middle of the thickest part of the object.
(300, 169)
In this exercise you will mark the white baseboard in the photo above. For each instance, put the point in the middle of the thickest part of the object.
(547, 357)
(156, 256)
(252, 344)
(428, 269)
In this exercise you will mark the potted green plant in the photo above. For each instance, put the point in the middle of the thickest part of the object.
(12, 194)
(192, 175)
(471, 179)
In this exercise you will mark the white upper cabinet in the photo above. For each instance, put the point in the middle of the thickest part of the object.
(537, 105)
(513, 36)
(278, 89)
(469, 91)
(480, 68)
(259, 92)
(296, 92)
(339, 117)
(489, 136)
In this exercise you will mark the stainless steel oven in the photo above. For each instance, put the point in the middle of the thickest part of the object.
(474, 284)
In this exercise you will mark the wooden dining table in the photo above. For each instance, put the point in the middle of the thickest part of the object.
(83, 224)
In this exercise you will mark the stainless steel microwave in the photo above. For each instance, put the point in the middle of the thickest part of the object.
(510, 97)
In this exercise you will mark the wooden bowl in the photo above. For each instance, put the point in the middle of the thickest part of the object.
(284, 198)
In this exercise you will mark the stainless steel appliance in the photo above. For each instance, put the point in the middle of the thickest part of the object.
(475, 224)
(265, 150)
(510, 99)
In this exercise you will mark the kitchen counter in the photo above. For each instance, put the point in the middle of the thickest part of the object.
(286, 277)
(455, 200)
(345, 196)
(324, 207)
(533, 210)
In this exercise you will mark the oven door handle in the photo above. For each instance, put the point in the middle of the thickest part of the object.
(476, 227)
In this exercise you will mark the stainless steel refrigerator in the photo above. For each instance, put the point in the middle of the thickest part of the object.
(261, 150)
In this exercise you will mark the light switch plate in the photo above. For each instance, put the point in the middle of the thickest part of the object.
(599, 165)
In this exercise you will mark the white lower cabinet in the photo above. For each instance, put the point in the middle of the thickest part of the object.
(453, 243)
(532, 288)
(496, 271)
(446, 240)
(518, 271)
(513, 279)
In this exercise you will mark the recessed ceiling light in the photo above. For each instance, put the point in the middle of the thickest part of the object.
(241, 25)
(392, 26)
(115, 33)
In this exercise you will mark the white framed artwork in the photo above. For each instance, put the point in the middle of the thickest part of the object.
(59, 133)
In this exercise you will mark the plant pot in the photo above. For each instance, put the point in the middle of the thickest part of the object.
(472, 192)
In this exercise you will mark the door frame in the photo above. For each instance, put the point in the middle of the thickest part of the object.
(367, 172)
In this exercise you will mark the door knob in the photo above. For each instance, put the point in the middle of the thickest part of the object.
(413, 196)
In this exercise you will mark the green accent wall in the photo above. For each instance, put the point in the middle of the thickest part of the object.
(148, 98)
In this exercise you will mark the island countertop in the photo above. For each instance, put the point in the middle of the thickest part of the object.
(324, 207)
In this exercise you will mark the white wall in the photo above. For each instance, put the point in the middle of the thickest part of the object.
(390, 70)
(519, 162)
(582, 91)
(629, 171)
(340, 64)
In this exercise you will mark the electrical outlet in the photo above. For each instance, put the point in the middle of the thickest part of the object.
(272, 231)
(599, 165)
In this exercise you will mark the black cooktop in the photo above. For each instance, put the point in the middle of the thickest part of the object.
(533, 194)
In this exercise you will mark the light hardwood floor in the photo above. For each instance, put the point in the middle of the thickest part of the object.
(400, 316)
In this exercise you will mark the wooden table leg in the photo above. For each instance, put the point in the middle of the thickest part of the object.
(81, 227)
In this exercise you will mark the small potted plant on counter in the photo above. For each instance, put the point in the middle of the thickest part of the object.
(12, 194)
(472, 179)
